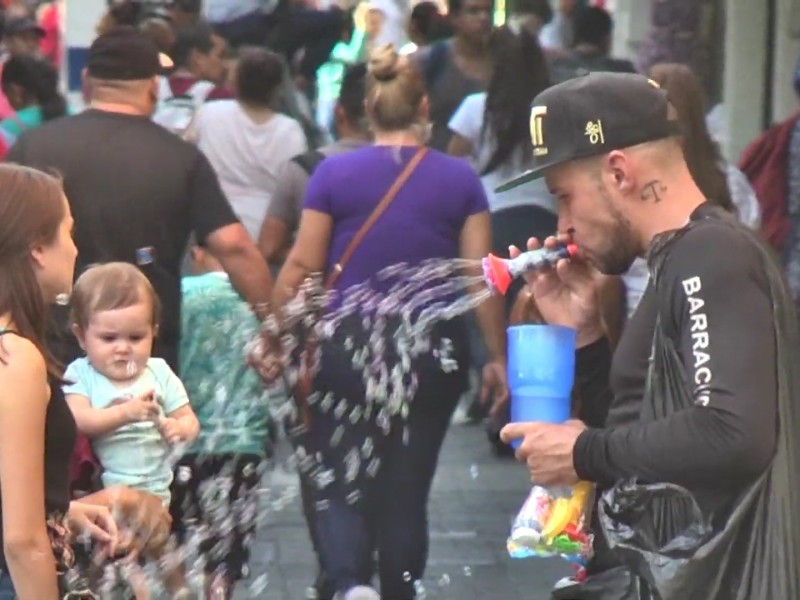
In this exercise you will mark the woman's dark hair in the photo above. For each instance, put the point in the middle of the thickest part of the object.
(127, 12)
(259, 74)
(161, 32)
(454, 7)
(699, 149)
(353, 92)
(593, 25)
(39, 79)
(199, 36)
(539, 8)
(31, 211)
(519, 74)
(431, 24)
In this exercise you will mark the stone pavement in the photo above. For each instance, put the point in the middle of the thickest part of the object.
(475, 497)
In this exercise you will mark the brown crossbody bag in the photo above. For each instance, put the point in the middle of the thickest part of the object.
(305, 383)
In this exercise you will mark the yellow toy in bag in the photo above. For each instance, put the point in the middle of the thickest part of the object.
(554, 522)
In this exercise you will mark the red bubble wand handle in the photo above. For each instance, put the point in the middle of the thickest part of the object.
(500, 272)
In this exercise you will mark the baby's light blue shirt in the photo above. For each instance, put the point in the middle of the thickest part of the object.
(134, 455)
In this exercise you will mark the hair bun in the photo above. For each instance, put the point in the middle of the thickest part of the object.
(384, 63)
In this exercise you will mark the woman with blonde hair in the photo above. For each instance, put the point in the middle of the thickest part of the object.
(435, 207)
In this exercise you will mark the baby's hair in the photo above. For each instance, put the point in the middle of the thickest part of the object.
(111, 286)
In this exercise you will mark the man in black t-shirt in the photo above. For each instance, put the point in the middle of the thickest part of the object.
(136, 190)
(613, 160)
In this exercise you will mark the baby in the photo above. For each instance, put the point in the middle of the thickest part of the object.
(133, 407)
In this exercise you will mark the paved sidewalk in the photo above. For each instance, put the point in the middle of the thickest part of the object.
(474, 499)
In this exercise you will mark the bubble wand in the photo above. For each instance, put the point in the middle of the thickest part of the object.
(500, 272)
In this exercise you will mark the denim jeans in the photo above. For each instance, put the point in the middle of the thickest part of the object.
(6, 587)
(392, 518)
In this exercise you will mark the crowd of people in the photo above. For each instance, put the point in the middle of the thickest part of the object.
(230, 150)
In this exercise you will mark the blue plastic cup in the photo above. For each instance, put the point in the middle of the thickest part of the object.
(541, 373)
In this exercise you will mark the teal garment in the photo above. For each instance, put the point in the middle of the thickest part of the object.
(135, 455)
(12, 127)
(27, 118)
(331, 73)
(228, 397)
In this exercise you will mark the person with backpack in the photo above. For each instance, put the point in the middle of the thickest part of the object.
(352, 132)
(198, 78)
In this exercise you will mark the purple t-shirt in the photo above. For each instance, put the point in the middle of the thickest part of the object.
(423, 221)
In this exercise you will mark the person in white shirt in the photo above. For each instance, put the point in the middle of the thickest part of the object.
(246, 141)
(491, 128)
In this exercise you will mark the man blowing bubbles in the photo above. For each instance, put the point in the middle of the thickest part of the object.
(612, 157)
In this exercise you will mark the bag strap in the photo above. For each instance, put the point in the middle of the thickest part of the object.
(374, 216)
(304, 385)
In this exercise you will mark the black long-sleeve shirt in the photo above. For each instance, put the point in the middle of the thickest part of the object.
(715, 304)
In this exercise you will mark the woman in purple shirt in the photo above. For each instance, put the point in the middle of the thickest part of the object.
(439, 212)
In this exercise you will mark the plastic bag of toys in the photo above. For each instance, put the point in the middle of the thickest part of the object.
(554, 522)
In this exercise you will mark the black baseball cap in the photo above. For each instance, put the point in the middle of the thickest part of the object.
(126, 54)
(20, 25)
(591, 115)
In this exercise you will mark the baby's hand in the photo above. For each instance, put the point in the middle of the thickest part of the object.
(141, 408)
(171, 430)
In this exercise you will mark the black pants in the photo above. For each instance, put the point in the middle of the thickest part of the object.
(383, 509)
(218, 487)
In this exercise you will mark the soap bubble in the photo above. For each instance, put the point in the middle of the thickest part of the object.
(62, 299)
(259, 585)
(184, 474)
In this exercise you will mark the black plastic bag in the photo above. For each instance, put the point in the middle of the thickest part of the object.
(673, 550)
(614, 584)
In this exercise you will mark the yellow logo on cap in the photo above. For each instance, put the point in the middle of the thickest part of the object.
(537, 135)
(653, 83)
(594, 131)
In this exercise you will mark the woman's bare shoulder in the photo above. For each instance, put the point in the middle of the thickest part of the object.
(20, 361)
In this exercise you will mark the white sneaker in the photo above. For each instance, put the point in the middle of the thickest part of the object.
(360, 592)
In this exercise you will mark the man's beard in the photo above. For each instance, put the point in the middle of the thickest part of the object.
(621, 245)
